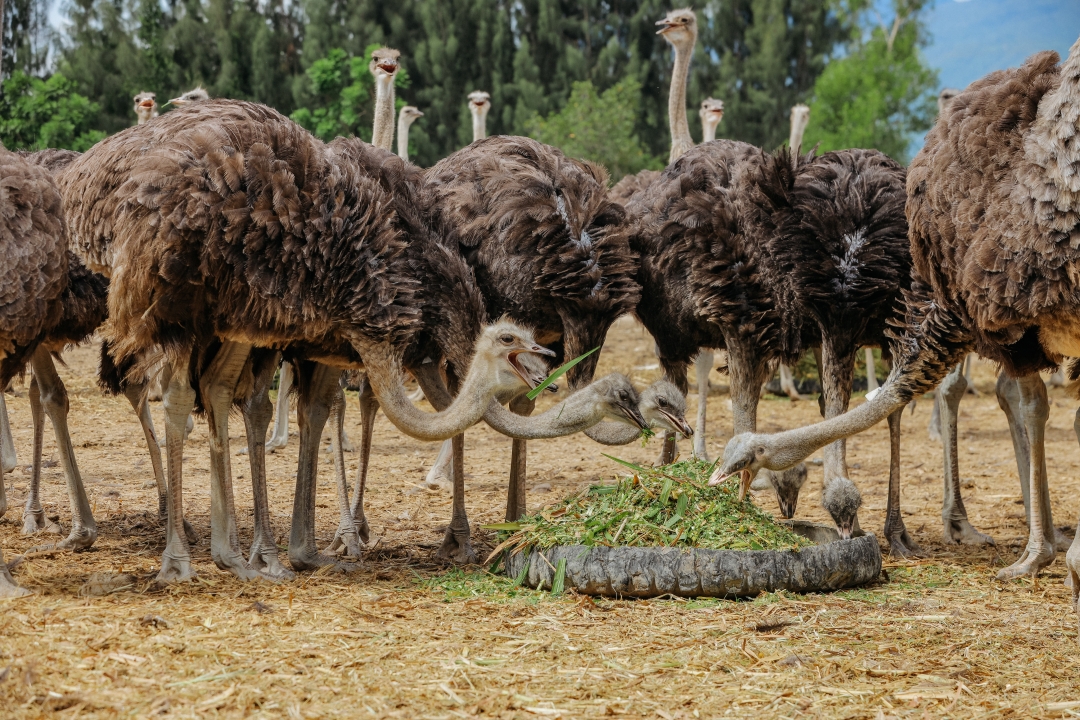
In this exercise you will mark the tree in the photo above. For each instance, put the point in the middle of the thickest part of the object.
(24, 36)
(36, 114)
(881, 93)
(599, 127)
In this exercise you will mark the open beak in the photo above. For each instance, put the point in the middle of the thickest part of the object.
(634, 416)
(147, 104)
(178, 102)
(664, 26)
(388, 68)
(679, 423)
(513, 357)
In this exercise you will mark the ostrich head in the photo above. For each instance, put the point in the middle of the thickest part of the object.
(479, 103)
(145, 106)
(786, 484)
(679, 28)
(619, 399)
(842, 499)
(191, 96)
(384, 64)
(944, 97)
(409, 114)
(501, 347)
(664, 407)
(711, 113)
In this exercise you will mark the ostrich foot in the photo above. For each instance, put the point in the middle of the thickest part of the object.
(457, 547)
(234, 562)
(346, 542)
(438, 481)
(79, 539)
(961, 532)
(8, 587)
(900, 542)
(1034, 559)
(266, 562)
(175, 569)
(34, 521)
(313, 560)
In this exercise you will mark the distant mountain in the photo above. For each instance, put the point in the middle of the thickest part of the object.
(974, 37)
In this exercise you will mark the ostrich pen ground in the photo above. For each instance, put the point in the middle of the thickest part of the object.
(408, 637)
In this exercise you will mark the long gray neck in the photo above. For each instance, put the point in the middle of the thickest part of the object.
(613, 433)
(382, 134)
(384, 373)
(681, 142)
(708, 131)
(403, 124)
(574, 414)
(479, 125)
(793, 446)
(798, 129)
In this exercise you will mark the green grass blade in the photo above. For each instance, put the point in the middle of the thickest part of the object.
(630, 465)
(665, 492)
(558, 373)
(558, 584)
(509, 526)
(520, 579)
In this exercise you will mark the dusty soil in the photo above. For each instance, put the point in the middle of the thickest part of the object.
(408, 637)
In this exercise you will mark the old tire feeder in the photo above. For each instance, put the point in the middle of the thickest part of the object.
(644, 572)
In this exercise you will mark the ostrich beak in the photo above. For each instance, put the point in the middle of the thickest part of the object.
(665, 26)
(147, 104)
(745, 478)
(679, 423)
(178, 102)
(633, 415)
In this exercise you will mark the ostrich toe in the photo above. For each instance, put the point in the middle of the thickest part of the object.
(959, 531)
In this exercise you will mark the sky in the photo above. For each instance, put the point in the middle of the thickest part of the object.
(974, 37)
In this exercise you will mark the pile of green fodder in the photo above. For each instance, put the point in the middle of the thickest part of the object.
(669, 506)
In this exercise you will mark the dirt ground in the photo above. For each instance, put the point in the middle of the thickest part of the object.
(408, 637)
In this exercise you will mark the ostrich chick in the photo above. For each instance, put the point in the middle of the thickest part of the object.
(408, 115)
(145, 106)
(711, 113)
(191, 96)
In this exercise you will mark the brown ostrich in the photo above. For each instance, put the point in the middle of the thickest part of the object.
(235, 226)
(993, 199)
(146, 107)
(34, 242)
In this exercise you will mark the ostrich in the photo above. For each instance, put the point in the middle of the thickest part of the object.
(34, 242)
(479, 106)
(679, 29)
(711, 113)
(408, 115)
(145, 106)
(992, 203)
(183, 275)
(191, 96)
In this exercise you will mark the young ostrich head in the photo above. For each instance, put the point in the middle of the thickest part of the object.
(384, 64)
(944, 97)
(664, 407)
(679, 28)
(145, 106)
(384, 67)
(479, 105)
(408, 115)
(711, 113)
(191, 96)
(502, 349)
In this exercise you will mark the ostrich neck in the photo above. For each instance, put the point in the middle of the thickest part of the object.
(383, 368)
(382, 135)
(613, 433)
(708, 131)
(796, 136)
(574, 414)
(680, 128)
(403, 124)
(1052, 174)
(479, 126)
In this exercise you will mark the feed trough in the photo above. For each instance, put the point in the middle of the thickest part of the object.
(664, 532)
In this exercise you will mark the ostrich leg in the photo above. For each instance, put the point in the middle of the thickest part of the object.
(218, 385)
(280, 436)
(33, 515)
(178, 399)
(8, 460)
(1008, 396)
(958, 529)
(703, 364)
(900, 542)
(346, 533)
(257, 413)
(54, 401)
(137, 395)
(369, 405)
(440, 476)
(836, 369)
(319, 385)
(871, 371)
(969, 366)
(1034, 412)
(1072, 558)
(515, 496)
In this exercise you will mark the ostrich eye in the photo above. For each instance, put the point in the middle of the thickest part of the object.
(661, 402)
(761, 451)
(507, 339)
(622, 395)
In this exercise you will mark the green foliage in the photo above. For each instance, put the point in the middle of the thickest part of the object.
(598, 127)
(880, 94)
(36, 114)
(343, 95)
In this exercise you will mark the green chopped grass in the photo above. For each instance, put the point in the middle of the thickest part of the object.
(669, 506)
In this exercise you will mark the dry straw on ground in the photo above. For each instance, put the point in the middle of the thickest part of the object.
(409, 638)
